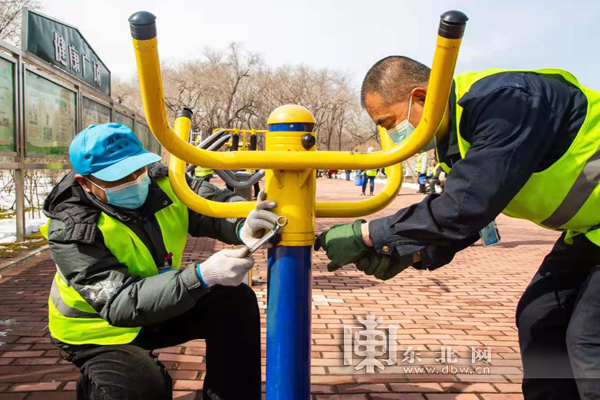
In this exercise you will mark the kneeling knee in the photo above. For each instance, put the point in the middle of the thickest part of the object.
(150, 380)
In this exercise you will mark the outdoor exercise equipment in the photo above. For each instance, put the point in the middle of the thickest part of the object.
(243, 133)
(213, 143)
(290, 161)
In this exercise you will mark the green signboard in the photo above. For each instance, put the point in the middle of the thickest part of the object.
(124, 119)
(94, 113)
(154, 146)
(63, 46)
(143, 133)
(148, 140)
(50, 116)
(7, 106)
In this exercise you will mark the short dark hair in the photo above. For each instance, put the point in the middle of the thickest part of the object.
(393, 78)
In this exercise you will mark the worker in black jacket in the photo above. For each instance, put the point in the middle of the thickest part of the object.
(523, 143)
(117, 233)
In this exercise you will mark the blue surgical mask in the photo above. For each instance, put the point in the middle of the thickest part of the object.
(404, 129)
(129, 195)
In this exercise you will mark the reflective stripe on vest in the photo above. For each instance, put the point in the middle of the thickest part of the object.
(444, 166)
(72, 320)
(200, 172)
(566, 195)
(62, 306)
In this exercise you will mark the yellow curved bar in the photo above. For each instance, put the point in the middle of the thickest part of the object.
(440, 83)
(378, 202)
(192, 200)
(236, 130)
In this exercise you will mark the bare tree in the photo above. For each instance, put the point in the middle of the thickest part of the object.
(235, 89)
(127, 92)
(10, 18)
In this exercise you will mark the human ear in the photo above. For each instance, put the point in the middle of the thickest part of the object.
(418, 94)
(83, 182)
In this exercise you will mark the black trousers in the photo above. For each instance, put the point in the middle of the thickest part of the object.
(558, 318)
(227, 317)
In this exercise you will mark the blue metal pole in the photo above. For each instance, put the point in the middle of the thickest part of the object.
(288, 323)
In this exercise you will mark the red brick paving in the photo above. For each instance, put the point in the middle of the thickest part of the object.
(468, 303)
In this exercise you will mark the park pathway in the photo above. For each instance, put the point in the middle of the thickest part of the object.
(440, 315)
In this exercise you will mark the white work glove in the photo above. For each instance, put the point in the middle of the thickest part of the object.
(259, 221)
(227, 267)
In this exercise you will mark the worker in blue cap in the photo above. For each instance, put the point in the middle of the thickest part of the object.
(117, 233)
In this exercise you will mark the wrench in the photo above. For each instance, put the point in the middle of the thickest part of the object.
(281, 222)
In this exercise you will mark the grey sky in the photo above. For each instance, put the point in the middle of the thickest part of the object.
(350, 35)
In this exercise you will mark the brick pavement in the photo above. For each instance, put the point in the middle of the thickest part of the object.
(468, 303)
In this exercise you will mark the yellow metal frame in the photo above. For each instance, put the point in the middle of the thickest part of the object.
(290, 166)
(334, 209)
(346, 209)
(440, 82)
(242, 132)
(181, 188)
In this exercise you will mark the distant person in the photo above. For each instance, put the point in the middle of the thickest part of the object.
(435, 178)
(203, 173)
(369, 176)
(348, 171)
(422, 161)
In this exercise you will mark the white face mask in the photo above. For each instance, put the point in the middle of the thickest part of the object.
(404, 129)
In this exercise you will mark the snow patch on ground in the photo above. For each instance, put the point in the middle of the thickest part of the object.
(7, 197)
(411, 185)
(8, 228)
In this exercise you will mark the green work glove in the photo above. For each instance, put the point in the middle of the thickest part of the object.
(343, 244)
(383, 267)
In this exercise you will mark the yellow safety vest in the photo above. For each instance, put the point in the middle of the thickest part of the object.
(71, 319)
(566, 195)
(200, 172)
(371, 172)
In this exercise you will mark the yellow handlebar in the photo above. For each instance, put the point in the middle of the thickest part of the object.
(378, 202)
(143, 29)
(181, 188)
(237, 131)
(210, 208)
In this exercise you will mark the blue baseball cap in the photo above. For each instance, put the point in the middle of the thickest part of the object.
(109, 152)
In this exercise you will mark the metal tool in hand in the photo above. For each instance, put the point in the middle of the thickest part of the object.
(281, 222)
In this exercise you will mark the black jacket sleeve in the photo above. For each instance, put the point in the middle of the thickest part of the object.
(224, 229)
(510, 131)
